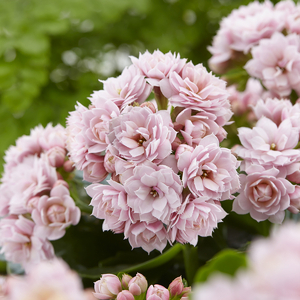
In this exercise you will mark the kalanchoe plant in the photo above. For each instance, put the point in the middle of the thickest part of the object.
(168, 171)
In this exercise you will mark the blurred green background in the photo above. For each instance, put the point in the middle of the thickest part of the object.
(52, 53)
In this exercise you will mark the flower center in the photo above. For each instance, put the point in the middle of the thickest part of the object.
(154, 193)
(204, 173)
(141, 140)
(273, 146)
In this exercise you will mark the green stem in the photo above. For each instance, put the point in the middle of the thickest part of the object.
(191, 263)
(157, 261)
(82, 205)
(161, 100)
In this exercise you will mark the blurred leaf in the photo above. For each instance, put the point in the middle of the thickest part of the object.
(227, 261)
(33, 43)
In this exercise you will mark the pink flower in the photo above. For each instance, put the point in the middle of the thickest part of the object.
(138, 284)
(125, 281)
(107, 287)
(153, 192)
(47, 280)
(53, 137)
(109, 203)
(20, 244)
(263, 195)
(93, 168)
(199, 90)
(126, 89)
(267, 144)
(197, 217)
(148, 236)
(158, 66)
(176, 287)
(209, 170)
(56, 156)
(295, 200)
(274, 109)
(157, 292)
(140, 134)
(196, 126)
(55, 213)
(276, 61)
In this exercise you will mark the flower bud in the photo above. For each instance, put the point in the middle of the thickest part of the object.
(68, 166)
(61, 182)
(157, 292)
(56, 156)
(138, 284)
(125, 295)
(125, 281)
(149, 105)
(185, 293)
(176, 287)
(183, 148)
(107, 287)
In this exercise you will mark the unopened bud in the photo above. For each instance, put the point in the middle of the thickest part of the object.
(176, 287)
(125, 281)
(56, 156)
(138, 284)
(125, 295)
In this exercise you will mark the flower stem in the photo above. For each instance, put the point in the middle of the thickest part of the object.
(161, 100)
(190, 256)
(157, 261)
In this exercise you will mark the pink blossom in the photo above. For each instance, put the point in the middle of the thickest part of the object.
(209, 170)
(55, 213)
(176, 287)
(109, 203)
(140, 134)
(53, 137)
(47, 280)
(20, 244)
(197, 217)
(125, 281)
(267, 144)
(295, 200)
(126, 89)
(138, 284)
(148, 236)
(153, 192)
(263, 195)
(56, 156)
(199, 90)
(107, 287)
(241, 30)
(157, 292)
(158, 66)
(93, 168)
(272, 108)
(194, 127)
(276, 61)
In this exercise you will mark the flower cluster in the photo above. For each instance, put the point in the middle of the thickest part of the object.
(168, 172)
(271, 162)
(274, 266)
(48, 280)
(35, 202)
(110, 287)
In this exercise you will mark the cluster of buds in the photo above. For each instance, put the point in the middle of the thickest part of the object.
(136, 288)
(35, 202)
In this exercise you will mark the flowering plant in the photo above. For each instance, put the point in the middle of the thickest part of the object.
(159, 156)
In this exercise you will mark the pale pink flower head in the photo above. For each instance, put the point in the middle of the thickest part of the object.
(138, 284)
(157, 292)
(129, 87)
(209, 170)
(267, 144)
(158, 65)
(295, 200)
(109, 203)
(149, 236)
(276, 61)
(55, 213)
(197, 217)
(53, 136)
(48, 281)
(153, 192)
(94, 169)
(33, 177)
(197, 126)
(263, 195)
(56, 156)
(20, 244)
(199, 90)
(140, 135)
(272, 108)
(107, 287)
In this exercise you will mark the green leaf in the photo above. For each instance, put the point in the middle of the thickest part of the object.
(227, 261)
